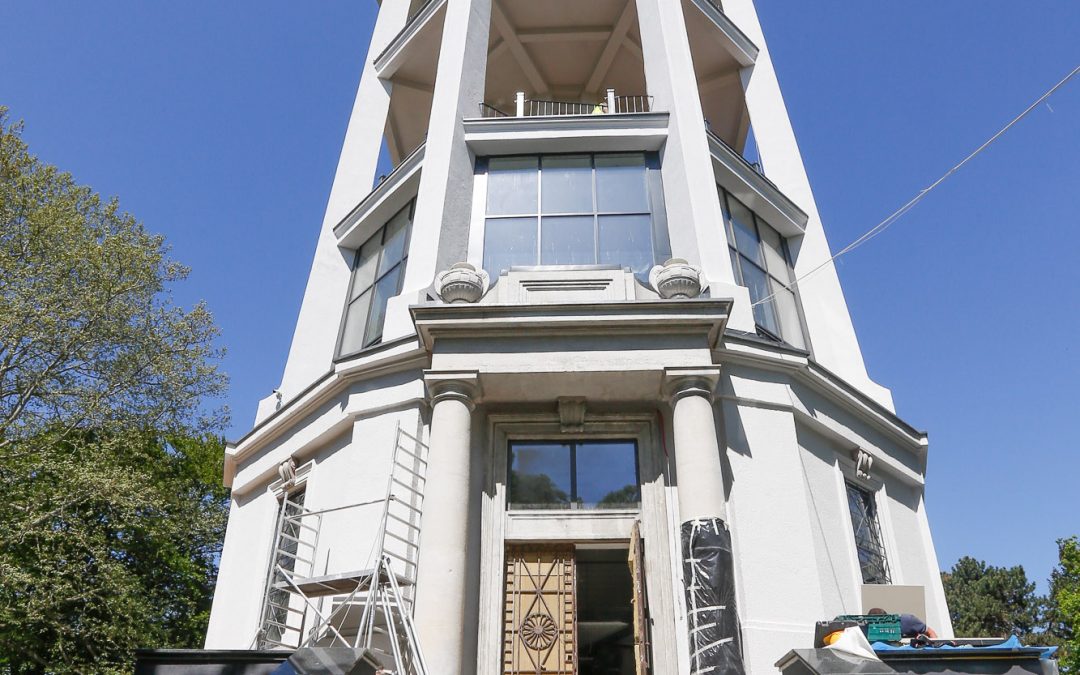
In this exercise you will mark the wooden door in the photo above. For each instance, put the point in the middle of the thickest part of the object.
(539, 635)
(636, 559)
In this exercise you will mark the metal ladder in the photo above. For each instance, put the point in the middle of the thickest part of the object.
(303, 610)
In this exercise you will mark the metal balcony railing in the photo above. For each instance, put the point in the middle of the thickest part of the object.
(533, 107)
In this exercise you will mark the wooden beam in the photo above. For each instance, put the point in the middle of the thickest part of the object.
(497, 46)
(583, 34)
(634, 48)
(521, 55)
(615, 41)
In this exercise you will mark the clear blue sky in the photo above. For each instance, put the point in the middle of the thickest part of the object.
(219, 125)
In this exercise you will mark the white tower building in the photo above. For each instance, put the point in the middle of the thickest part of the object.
(560, 331)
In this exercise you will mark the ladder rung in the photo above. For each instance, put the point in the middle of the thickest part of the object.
(299, 542)
(399, 538)
(287, 608)
(275, 623)
(408, 506)
(294, 557)
(405, 468)
(404, 484)
(268, 641)
(412, 456)
(409, 523)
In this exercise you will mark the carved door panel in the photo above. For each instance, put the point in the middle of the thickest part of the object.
(636, 559)
(539, 635)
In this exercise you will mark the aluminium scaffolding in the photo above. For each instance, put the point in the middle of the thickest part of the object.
(369, 607)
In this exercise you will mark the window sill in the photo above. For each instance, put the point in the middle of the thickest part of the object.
(630, 132)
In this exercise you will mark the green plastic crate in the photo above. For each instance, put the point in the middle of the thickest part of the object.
(878, 627)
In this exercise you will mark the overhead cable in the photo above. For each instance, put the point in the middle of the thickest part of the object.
(896, 215)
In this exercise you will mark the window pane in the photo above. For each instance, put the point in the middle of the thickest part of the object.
(355, 319)
(566, 184)
(567, 240)
(364, 272)
(872, 559)
(746, 240)
(607, 475)
(620, 184)
(539, 475)
(386, 288)
(735, 266)
(508, 242)
(758, 282)
(627, 240)
(789, 316)
(511, 186)
(775, 261)
(727, 216)
(396, 233)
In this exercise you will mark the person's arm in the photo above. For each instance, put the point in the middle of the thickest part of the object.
(930, 633)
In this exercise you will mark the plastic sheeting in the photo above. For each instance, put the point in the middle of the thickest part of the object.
(708, 572)
(1012, 645)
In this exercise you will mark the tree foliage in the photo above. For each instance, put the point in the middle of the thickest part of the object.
(997, 601)
(1063, 611)
(990, 601)
(113, 510)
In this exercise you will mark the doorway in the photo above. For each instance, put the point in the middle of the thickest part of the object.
(574, 609)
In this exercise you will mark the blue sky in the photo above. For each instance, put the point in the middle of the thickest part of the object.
(219, 125)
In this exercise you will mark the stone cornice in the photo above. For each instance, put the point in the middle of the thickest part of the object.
(401, 355)
(656, 317)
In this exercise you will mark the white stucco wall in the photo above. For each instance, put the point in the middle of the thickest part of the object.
(241, 581)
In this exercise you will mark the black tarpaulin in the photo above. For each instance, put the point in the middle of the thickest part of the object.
(708, 572)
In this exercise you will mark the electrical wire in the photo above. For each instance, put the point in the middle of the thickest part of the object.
(896, 215)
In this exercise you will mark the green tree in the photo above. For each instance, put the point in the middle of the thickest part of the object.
(990, 601)
(1063, 612)
(113, 510)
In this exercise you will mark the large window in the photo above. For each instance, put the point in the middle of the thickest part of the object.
(573, 475)
(864, 520)
(574, 210)
(378, 271)
(762, 263)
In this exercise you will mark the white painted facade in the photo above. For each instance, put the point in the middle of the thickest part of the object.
(729, 422)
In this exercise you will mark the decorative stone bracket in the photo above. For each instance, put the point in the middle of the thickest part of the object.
(571, 413)
(863, 462)
(461, 283)
(677, 279)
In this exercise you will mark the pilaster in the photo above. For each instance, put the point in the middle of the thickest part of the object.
(315, 337)
(444, 202)
(695, 219)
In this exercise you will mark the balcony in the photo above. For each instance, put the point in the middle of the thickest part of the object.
(612, 104)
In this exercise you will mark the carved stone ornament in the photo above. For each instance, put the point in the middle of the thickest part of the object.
(571, 413)
(863, 462)
(461, 283)
(676, 279)
(287, 471)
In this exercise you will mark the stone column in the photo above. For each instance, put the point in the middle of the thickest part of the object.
(707, 562)
(442, 574)
(697, 450)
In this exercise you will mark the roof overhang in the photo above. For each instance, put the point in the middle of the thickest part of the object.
(567, 133)
(749, 186)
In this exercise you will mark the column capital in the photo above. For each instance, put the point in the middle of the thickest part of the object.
(679, 382)
(461, 385)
